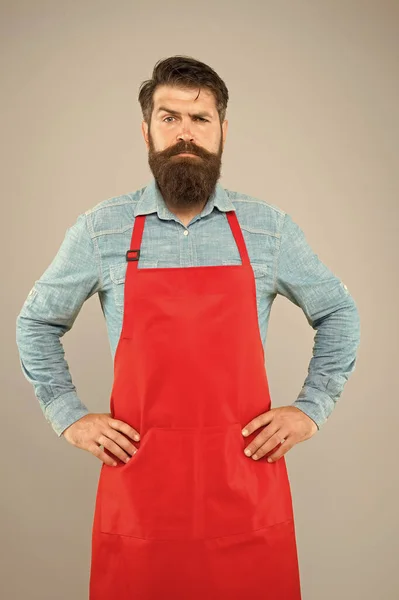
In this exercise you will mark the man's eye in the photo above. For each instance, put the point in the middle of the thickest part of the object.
(195, 118)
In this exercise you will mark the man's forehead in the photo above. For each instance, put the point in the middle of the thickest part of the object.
(174, 97)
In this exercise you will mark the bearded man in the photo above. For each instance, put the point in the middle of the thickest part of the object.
(193, 498)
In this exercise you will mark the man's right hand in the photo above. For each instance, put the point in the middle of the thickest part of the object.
(100, 429)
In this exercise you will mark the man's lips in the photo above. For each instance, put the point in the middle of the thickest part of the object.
(185, 154)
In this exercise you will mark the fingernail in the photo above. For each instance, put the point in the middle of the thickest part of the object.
(127, 459)
(269, 460)
(136, 437)
(114, 464)
(245, 432)
(247, 452)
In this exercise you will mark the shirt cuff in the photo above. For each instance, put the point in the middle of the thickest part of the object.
(315, 404)
(63, 411)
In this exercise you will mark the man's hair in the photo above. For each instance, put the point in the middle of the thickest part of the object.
(184, 72)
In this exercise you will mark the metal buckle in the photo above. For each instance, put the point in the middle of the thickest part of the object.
(133, 257)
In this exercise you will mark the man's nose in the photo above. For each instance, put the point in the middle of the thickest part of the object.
(186, 136)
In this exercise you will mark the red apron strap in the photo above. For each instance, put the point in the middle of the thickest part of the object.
(238, 236)
(134, 253)
(135, 243)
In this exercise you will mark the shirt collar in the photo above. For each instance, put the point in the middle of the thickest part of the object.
(152, 201)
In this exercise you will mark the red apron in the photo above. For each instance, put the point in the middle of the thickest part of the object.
(190, 516)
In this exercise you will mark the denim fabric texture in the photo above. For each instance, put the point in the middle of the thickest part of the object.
(91, 260)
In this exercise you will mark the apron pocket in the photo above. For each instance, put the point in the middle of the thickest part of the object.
(241, 494)
(153, 495)
(192, 483)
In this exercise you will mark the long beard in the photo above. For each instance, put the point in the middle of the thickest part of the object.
(187, 181)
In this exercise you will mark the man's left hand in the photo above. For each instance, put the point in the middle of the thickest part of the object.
(287, 423)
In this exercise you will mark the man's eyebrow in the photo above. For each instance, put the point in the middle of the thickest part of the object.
(202, 113)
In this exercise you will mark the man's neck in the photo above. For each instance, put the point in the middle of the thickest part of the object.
(186, 215)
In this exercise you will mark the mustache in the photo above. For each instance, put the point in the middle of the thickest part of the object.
(184, 147)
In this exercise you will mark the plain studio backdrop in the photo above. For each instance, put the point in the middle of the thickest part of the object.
(313, 129)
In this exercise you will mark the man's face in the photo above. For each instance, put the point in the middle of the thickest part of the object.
(179, 123)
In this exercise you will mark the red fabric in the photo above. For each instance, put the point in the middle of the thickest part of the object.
(190, 516)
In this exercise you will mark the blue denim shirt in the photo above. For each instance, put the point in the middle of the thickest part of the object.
(91, 260)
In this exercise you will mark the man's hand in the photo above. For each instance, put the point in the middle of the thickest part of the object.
(286, 422)
(100, 429)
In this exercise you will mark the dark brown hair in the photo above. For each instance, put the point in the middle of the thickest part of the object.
(186, 72)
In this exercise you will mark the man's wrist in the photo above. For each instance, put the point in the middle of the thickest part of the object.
(64, 410)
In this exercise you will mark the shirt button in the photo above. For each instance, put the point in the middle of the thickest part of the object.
(186, 232)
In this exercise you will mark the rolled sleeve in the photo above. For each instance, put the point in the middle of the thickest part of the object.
(330, 309)
(49, 312)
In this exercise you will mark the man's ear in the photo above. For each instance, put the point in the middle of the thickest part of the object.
(144, 130)
(225, 125)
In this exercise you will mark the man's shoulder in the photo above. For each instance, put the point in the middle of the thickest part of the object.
(256, 214)
(241, 198)
(113, 214)
(116, 202)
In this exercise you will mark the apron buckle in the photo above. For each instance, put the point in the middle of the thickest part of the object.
(133, 257)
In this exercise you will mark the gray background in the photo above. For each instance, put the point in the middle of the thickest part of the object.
(313, 129)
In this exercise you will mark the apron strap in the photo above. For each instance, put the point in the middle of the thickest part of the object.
(238, 236)
(134, 253)
(135, 243)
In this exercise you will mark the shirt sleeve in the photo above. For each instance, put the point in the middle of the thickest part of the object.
(48, 312)
(330, 310)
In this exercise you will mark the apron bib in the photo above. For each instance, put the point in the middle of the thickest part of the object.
(190, 516)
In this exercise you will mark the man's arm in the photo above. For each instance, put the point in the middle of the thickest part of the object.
(330, 309)
(47, 314)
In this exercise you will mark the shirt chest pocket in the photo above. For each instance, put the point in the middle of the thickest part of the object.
(117, 275)
(260, 270)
